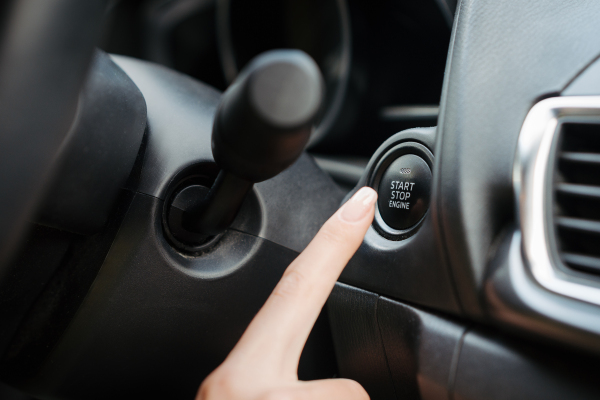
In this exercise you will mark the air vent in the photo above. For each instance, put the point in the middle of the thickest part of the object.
(557, 185)
(576, 208)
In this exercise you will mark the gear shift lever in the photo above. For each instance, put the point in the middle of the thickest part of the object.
(262, 124)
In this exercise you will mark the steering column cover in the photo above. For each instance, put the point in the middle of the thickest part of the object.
(145, 315)
(44, 56)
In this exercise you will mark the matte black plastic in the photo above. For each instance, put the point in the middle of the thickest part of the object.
(155, 315)
(43, 251)
(9, 393)
(500, 63)
(358, 344)
(294, 205)
(45, 52)
(51, 274)
(176, 145)
(57, 298)
(480, 120)
(152, 313)
(175, 218)
(422, 349)
(263, 122)
(392, 349)
(514, 299)
(212, 214)
(414, 269)
(493, 368)
(345, 171)
(434, 357)
(98, 153)
(266, 116)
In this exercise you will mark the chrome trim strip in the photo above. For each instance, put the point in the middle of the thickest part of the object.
(529, 179)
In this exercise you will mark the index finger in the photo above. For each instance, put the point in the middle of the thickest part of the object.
(286, 319)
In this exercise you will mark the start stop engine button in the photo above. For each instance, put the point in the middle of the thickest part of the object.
(404, 192)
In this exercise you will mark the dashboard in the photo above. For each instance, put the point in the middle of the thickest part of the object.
(476, 122)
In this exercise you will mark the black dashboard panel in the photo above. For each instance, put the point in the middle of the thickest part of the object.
(513, 299)
(146, 311)
(503, 58)
(358, 344)
(135, 323)
(494, 368)
(426, 355)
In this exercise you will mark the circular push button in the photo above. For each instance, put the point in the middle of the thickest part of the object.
(404, 192)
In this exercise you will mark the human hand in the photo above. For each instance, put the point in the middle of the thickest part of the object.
(264, 363)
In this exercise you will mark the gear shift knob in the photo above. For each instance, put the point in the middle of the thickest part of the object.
(261, 126)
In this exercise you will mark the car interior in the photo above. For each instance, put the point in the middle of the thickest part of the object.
(163, 161)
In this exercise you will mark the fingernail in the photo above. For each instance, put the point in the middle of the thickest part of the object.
(359, 205)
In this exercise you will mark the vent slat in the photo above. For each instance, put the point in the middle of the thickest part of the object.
(579, 224)
(576, 208)
(583, 158)
(580, 261)
(573, 189)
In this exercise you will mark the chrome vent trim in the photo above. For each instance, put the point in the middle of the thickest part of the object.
(531, 175)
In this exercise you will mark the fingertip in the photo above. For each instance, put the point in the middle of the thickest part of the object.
(359, 205)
